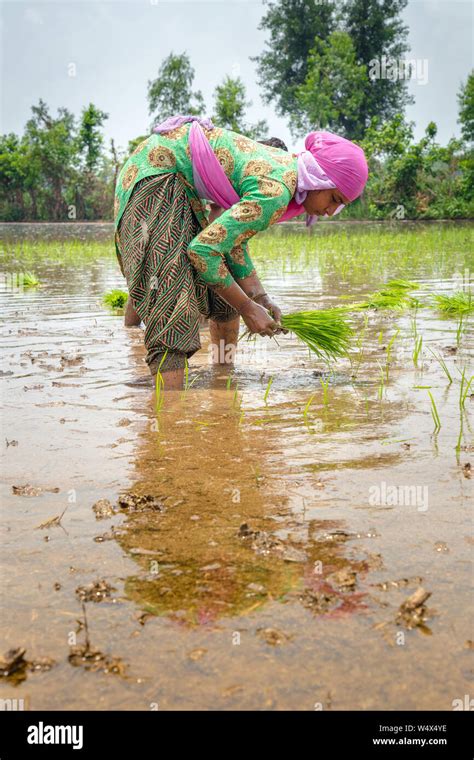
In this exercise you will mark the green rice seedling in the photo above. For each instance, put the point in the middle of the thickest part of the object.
(459, 329)
(235, 401)
(417, 350)
(389, 352)
(459, 303)
(325, 386)
(160, 384)
(327, 332)
(359, 344)
(308, 404)
(267, 391)
(115, 299)
(29, 280)
(186, 373)
(381, 387)
(228, 382)
(434, 414)
(459, 441)
(443, 366)
(187, 383)
(464, 388)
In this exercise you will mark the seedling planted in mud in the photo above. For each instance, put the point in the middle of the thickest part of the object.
(160, 384)
(464, 388)
(308, 404)
(389, 352)
(381, 382)
(434, 414)
(417, 350)
(325, 387)
(443, 366)
(267, 391)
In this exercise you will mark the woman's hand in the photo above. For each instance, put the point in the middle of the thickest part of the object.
(257, 319)
(264, 300)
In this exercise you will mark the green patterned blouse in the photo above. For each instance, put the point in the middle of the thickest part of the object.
(264, 178)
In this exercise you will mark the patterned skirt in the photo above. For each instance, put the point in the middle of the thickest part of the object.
(166, 291)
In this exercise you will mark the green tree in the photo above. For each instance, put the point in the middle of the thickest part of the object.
(301, 46)
(230, 108)
(15, 171)
(334, 89)
(466, 108)
(377, 31)
(51, 144)
(90, 140)
(293, 26)
(171, 92)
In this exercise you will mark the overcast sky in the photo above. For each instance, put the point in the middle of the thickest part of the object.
(116, 47)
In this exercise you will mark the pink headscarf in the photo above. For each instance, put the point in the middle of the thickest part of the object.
(343, 161)
(329, 161)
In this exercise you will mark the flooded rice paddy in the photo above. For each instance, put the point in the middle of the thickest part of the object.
(303, 548)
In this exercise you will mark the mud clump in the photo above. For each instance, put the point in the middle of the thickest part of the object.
(413, 612)
(265, 544)
(272, 636)
(95, 592)
(344, 579)
(14, 665)
(94, 660)
(132, 502)
(28, 490)
(319, 601)
(103, 509)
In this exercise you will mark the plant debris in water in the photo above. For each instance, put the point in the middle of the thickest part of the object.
(413, 612)
(14, 665)
(28, 490)
(132, 502)
(95, 592)
(103, 509)
(89, 658)
(264, 543)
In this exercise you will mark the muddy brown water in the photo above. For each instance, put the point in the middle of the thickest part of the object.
(270, 571)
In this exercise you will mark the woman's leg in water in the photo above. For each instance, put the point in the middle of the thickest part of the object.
(224, 337)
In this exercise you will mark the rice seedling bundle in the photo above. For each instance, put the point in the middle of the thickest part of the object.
(457, 304)
(394, 295)
(326, 332)
(30, 280)
(115, 299)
